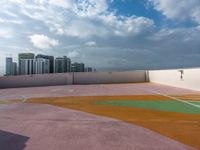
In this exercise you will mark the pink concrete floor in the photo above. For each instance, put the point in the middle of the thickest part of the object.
(45, 127)
(41, 127)
(93, 90)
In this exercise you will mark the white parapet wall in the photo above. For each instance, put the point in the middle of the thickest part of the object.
(73, 78)
(190, 78)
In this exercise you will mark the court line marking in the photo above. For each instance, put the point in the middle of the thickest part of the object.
(177, 99)
(194, 101)
(24, 99)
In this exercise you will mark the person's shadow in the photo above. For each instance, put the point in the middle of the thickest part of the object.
(12, 141)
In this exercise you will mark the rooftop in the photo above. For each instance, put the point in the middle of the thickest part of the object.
(144, 115)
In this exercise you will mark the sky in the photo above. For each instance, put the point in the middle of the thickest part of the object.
(109, 35)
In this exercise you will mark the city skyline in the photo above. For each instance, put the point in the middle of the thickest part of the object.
(143, 34)
(30, 63)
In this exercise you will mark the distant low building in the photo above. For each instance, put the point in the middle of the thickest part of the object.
(78, 67)
(88, 69)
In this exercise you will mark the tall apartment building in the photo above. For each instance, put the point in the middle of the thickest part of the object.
(62, 64)
(27, 66)
(78, 67)
(42, 66)
(25, 61)
(33, 66)
(11, 67)
(51, 61)
(14, 68)
(9, 63)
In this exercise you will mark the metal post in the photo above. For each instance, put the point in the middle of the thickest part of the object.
(72, 75)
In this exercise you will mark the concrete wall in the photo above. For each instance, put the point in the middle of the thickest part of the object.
(190, 80)
(35, 80)
(110, 77)
(67, 78)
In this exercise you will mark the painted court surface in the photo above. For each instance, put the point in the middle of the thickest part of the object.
(88, 117)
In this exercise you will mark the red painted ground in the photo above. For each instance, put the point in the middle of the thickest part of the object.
(41, 127)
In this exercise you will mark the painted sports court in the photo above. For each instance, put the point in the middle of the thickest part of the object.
(103, 116)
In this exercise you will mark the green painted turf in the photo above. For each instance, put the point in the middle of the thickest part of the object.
(171, 105)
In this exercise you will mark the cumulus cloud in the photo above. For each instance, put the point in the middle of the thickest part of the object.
(91, 7)
(178, 9)
(84, 18)
(43, 42)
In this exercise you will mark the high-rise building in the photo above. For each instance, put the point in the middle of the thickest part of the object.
(51, 61)
(41, 66)
(14, 68)
(25, 61)
(9, 66)
(62, 64)
(59, 65)
(67, 62)
(27, 66)
(78, 67)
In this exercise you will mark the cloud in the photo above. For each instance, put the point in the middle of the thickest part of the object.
(67, 4)
(179, 9)
(10, 21)
(43, 42)
(103, 26)
(84, 18)
(17, 1)
(72, 54)
(126, 26)
(6, 33)
(91, 7)
(90, 43)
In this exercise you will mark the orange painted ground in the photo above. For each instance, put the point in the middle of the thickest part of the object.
(181, 127)
(190, 97)
(10, 101)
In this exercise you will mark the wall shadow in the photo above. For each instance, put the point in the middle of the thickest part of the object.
(12, 141)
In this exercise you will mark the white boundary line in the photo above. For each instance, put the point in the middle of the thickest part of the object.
(177, 99)
(194, 101)
(22, 97)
